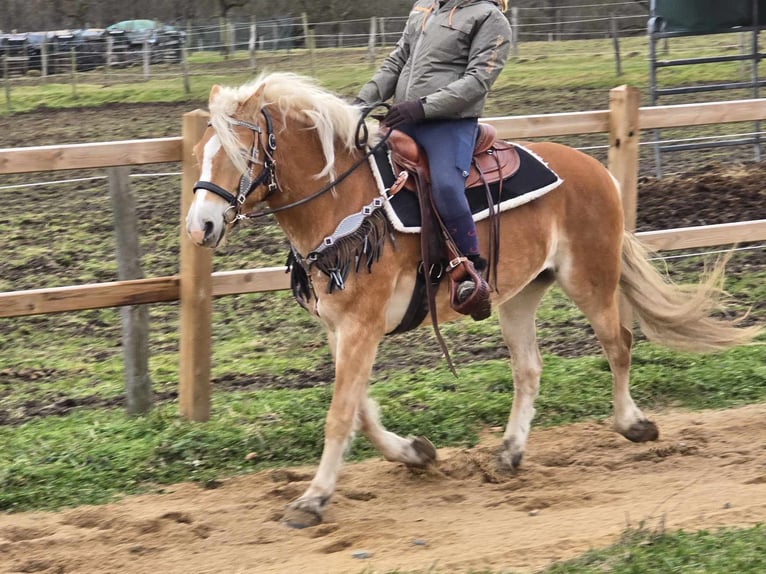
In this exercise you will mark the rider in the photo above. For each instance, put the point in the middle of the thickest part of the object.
(439, 74)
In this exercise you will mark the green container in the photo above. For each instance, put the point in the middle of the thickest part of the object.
(707, 15)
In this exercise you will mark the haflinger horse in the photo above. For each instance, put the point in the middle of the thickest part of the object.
(283, 140)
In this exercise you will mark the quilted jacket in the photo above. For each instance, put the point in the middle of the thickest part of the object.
(448, 57)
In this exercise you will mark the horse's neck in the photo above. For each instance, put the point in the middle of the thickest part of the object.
(307, 225)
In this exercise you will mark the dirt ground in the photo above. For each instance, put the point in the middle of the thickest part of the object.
(580, 487)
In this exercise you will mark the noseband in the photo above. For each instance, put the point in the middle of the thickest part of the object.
(248, 183)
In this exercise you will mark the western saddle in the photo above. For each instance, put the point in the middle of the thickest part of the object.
(493, 160)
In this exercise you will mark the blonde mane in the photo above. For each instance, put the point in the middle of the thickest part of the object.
(297, 97)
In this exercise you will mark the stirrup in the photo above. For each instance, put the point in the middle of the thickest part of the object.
(464, 290)
(469, 291)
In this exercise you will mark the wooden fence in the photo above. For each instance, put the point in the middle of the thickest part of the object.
(195, 285)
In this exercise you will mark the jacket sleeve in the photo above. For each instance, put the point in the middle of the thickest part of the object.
(489, 52)
(383, 82)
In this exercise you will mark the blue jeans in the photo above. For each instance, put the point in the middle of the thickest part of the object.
(449, 146)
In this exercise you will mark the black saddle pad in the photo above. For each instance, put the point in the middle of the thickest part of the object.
(532, 180)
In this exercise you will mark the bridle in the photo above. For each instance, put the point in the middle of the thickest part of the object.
(248, 183)
(268, 176)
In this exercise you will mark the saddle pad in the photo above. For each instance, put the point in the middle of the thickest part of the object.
(533, 179)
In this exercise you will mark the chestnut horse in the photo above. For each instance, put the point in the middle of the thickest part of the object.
(283, 140)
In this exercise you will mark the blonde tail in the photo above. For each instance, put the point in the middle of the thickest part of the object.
(679, 316)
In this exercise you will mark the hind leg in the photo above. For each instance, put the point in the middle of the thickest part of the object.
(616, 341)
(600, 306)
(517, 322)
(413, 451)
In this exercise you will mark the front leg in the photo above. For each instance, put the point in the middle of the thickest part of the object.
(355, 346)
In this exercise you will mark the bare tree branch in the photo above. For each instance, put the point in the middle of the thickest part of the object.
(643, 3)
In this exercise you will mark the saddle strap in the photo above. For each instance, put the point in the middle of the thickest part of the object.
(430, 245)
(493, 221)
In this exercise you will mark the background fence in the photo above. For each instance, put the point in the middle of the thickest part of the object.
(195, 285)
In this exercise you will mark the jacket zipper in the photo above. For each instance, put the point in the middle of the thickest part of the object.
(415, 51)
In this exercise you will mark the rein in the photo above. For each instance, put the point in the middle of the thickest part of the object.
(325, 189)
(247, 184)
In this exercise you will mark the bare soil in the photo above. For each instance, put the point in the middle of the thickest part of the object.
(580, 487)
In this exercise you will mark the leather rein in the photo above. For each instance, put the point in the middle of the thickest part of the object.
(268, 176)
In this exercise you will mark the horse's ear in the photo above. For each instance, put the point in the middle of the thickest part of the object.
(213, 92)
(249, 108)
(252, 101)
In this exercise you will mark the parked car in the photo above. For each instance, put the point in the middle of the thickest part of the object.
(120, 44)
(165, 42)
(15, 48)
(90, 47)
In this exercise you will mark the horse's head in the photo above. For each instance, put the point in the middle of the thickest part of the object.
(235, 156)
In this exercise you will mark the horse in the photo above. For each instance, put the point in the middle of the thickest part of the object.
(288, 144)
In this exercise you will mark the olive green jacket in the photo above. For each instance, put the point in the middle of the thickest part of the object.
(448, 57)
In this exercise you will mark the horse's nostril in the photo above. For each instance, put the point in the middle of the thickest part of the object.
(208, 228)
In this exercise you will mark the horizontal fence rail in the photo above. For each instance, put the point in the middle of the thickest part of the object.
(265, 279)
(679, 115)
(89, 155)
(135, 292)
(196, 285)
(165, 150)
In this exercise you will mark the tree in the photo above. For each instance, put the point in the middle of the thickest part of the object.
(226, 6)
(76, 12)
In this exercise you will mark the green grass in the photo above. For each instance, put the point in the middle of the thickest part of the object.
(726, 551)
(89, 456)
(642, 551)
(579, 65)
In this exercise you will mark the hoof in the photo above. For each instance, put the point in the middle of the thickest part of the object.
(642, 431)
(507, 460)
(425, 451)
(299, 515)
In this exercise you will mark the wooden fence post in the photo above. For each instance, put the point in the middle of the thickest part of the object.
(371, 42)
(308, 40)
(624, 103)
(196, 289)
(44, 58)
(514, 32)
(185, 68)
(146, 56)
(135, 318)
(615, 33)
(109, 57)
(251, 43)
(7, 83)
(189, 39)
(73, 71)
(223, 30)
(382, 30)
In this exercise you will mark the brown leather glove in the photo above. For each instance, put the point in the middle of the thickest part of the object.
(409, 112)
